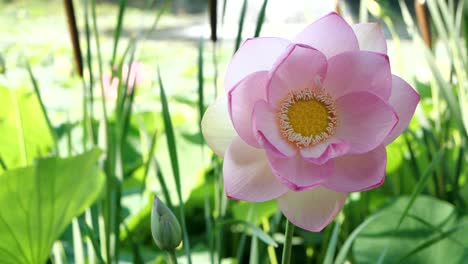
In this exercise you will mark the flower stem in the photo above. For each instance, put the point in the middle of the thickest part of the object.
(288, 235)
(171, 257)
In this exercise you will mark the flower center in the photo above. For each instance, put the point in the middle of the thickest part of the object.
(307, 117)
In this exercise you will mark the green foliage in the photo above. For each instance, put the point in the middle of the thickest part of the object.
(172, 149)
(241, 25)
(259, 211)
(254, 229)
(25, 134)
(153, 146)
(427, 218)
(38, 202)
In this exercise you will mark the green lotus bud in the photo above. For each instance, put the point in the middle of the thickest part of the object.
(164, 226)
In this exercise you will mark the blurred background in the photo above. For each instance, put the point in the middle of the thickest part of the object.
(60, 68)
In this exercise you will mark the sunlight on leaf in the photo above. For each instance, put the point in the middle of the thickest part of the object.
(38, 202)
(20, 111)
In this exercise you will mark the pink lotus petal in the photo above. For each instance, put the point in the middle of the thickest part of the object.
(241, 101)
(297, 173)
(330, 34)
(370, 37)
(365, 120)
(354, 173)
(132, 76)
(217, 128)
(268, 132)
(139, 74)
(359, 71)
(312, 209)
(143, 73)
(404, 100)
(247, 174)
(323, 152)
(300, 67)
(257, 54)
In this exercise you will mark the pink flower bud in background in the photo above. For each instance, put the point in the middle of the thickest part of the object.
(138, 76)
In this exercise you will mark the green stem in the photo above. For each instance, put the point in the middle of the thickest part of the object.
(288, 235)
(171, 257)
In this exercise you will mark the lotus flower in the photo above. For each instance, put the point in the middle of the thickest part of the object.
(306, 121)
(137, 76)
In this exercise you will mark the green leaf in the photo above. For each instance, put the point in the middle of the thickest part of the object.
(332, 244)
(171, 142)
(201, 104)
(223, 14)
(118, 28)
(341, 257)
(25, 133)
(420, 186)
(259, 210)
(2, 164)
(433, 241)
(94, 242)
(240, 26)
(43, 108)
(38, 202)
(256, 231)
(428, 241)
(260, 19)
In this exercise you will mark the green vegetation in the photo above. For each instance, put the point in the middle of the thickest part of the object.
(79, 171)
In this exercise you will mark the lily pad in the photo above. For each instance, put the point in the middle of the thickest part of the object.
(428, 219)
(25, 134)
(38, 202)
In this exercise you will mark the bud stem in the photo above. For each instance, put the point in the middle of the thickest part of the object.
(288, 235)
(171, 257)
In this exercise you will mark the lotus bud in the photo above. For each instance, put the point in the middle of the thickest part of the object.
(374, 8)
(165, 228)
